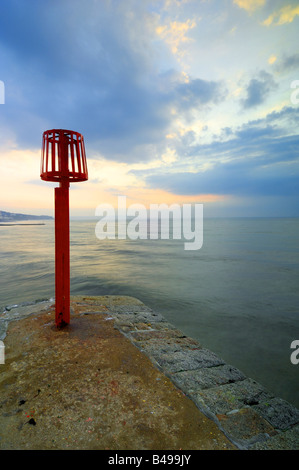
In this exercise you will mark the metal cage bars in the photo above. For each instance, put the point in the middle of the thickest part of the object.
(63, 156)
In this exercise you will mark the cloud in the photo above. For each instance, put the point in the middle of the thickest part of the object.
(234, 179)
(288, 63)
(198, 92)
(272, 59)
(174, 34)
(178, 3)
(90, 68)
(259, 159)
(258, 90)
(250, 5)
(282, 16)
(155, 87)
(83, 67)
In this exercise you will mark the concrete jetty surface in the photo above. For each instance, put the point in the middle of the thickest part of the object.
(120, 377)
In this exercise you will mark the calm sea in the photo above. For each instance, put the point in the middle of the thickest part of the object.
(238, 295)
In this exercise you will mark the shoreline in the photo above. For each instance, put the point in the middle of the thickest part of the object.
(248, 415)
(8, 224)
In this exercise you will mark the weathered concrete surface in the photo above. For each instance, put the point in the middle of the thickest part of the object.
(121, 377)
(88, 387)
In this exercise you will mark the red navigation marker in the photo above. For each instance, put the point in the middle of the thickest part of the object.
(63, 160)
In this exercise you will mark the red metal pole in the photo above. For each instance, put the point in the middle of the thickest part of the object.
(63, 161)
(62, 244)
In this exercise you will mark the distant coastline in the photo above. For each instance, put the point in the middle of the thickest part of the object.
(7, 217)
(8, 225)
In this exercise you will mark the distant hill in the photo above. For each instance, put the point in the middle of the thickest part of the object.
(12, 217)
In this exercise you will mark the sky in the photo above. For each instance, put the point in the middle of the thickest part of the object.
(179, 101)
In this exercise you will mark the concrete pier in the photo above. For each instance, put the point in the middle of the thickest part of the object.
(120, 377)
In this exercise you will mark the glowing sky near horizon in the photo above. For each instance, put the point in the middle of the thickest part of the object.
(178, 101)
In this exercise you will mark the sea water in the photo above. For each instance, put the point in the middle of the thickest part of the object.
(238, 295)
